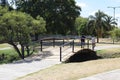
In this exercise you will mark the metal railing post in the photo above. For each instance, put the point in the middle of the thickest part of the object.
(88, 43)
(60, 54)
(53, 42)
(63, 42)
(73, 46)
(41, 45)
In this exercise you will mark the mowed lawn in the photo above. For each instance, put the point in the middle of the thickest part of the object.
(5, 45)
(74, 71)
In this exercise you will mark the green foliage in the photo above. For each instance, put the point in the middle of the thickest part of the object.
(3, 10)
(100, 24)
(10, 55)
(16, 28)
(80, 26)
(115, 33)
(38, 25)
(59, 14)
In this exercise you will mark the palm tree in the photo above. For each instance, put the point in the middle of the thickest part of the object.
(109, 22)
(90, 27)
(97, 23)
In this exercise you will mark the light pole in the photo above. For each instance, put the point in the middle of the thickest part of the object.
(114, 8)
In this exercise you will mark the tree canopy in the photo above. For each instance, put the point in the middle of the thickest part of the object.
(59, 15)
(100, 23)
(80, 26)
(16, 27)
(115, 33)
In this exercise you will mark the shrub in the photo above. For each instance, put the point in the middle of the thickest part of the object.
(83, 55)
(9, 58)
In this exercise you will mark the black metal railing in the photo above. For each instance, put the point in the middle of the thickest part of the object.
(50, 41)
(69, 44)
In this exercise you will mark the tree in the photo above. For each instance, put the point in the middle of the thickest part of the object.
(38, 26)
(115, 34)
(16, 27)
(90, 28)
(98, 23)
(59, 15)
(109, 24)
(3, 10)
(80, 26)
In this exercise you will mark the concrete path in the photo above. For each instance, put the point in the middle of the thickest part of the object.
(15, 70)
(111, 75)
(107, 47)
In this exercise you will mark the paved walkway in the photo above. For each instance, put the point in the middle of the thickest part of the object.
(111, 75)
(13, 71)
(21, 68)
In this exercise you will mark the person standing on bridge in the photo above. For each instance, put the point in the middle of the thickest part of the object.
(82, 41)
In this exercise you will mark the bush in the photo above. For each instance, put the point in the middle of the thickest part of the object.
(10, 55)
(8, 58)
(83, 55)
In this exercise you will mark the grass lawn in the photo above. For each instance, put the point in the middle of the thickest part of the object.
(109, 53)
(74, 71)
(4, 45)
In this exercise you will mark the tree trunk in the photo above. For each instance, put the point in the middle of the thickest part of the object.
(16, 48)
(97, 39)
(36, 36)
(99, 35)
(28, 50)
(22, 51)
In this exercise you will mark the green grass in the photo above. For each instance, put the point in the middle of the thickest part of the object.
(4, 45)
(109, 53)
(10, 55)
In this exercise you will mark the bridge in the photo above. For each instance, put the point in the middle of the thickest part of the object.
(58, 48)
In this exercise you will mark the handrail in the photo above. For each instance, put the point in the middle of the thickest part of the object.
(53, 42)
(71, 43)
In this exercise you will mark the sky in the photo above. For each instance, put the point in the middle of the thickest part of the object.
(89, 7)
